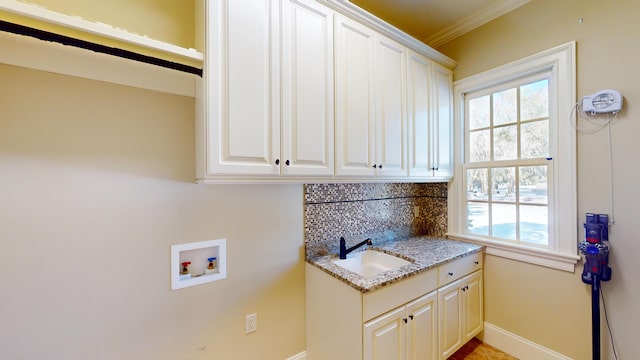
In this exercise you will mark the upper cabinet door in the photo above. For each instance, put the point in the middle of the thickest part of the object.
(242, 87)
(307, 89)
(354, 111)
(442, 130)
(391, 124)
(419, 114)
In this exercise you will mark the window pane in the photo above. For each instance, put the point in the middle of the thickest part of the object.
(478, 218)
(534, 100)
(477, 184)
(505, 107)
(534, 140)
(479, 112)
(503, 184)
(479, 146)
(503, 221)
(505, 143)
(533, 185)
(534, 224)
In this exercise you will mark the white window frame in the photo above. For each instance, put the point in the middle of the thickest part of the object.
(560, 62)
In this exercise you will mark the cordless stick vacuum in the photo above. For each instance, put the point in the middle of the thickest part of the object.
(595, 248)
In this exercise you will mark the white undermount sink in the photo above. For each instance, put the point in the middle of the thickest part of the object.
(370, 263)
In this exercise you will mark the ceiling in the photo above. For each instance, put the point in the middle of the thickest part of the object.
(436, 22)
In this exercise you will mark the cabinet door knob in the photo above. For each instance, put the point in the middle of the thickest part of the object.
(450, 274)
(380, 166)
(375, 166)
(287, 163)
(405, 320)
(476, 262)
(277, 161)
(411, 317)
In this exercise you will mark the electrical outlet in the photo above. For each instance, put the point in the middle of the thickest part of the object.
(251, 323)
(416, 211)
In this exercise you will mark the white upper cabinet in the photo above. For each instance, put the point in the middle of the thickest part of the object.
(268, 90)
(355, 92)
(419, 85)
(294, 91)
(307, 89)
(370, 102)
(429, 88)
(442, 125)
(391, 124)
(241, 76)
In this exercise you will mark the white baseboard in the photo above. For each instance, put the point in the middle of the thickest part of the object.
(518, 346)
(504, 340)
(300, 356)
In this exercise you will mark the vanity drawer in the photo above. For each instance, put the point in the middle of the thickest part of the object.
(389, 297)
(458, 268)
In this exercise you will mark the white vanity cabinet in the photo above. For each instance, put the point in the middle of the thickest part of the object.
(426, 316)
(430, 118)
(407, 332)
(268, 90)
(460, 303)
(370, 102)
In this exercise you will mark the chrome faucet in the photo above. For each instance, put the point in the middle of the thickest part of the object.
(343, 247)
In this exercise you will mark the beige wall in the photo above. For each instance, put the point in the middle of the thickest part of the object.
(550, 307)
(96, 184)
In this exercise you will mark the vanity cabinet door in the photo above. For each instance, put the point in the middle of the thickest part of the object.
(384, 336)
(450, 318)
(460, 312)
(472, 305)
(422, 328)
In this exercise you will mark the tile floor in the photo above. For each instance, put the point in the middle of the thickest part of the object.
(477, 350)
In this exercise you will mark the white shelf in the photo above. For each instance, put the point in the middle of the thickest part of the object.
(96, 28)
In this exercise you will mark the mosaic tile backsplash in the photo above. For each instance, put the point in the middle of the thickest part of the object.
(380, 211)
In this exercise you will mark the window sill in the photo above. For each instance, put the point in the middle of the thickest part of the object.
(534, 256)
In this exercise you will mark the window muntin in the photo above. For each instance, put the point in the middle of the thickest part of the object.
(506, 166)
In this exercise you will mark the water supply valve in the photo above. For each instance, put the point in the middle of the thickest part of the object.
(185, 267)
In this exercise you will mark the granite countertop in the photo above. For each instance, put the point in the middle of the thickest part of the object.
(423, 251)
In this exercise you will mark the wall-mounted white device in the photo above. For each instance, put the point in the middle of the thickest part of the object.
(604, 101)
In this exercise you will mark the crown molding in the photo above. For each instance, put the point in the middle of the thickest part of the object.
(347, 8)
(473, 21)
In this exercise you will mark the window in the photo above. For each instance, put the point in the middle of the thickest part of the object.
(514, 187)
(506, 163)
